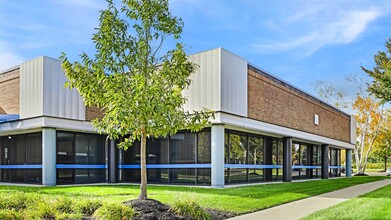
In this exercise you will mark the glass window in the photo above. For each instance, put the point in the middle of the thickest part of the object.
(182, 176)
(204, 147)
(238, 149)
(183, 148)
(255, 145)
(65, 153)
(34, 148)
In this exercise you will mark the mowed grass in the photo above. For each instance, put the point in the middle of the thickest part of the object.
(239, 200)
(374, 205)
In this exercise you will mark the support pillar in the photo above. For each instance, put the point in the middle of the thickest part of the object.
(217, 155)
(287, 160)
(113, 162)
(49, 156)
(348, 163)
(268, 158)
(310, 153)
(325, 161)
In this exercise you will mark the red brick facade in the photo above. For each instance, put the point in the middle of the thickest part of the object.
(93, 112)
(9, 92)
(273, 101)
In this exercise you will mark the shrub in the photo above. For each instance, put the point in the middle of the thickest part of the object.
(68, 216)
(6, 214)
(63, 205)
(17, 200)
(44, 210)
(190, 208)
(87, 207)
(114, 211)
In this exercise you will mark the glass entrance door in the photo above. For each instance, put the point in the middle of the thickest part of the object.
(5, 158)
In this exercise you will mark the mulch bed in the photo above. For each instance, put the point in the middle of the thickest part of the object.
(150, 209)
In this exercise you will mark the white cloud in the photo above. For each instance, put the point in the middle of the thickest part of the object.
(320, 27)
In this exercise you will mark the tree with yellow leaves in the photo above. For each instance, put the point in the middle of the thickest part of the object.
(369, 114)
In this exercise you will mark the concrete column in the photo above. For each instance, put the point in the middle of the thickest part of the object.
(325, 161)
(287, 160)
(113, 162)
(348, 163)
(268, 158)
(217, 155)
(49, 157)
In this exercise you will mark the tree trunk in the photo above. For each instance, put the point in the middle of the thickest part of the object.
(385, 164)
(143, 155)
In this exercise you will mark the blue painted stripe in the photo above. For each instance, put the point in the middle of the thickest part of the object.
(305, 167)
(164, 166)
(335, 167)
(252, 166)
(81, 166)
(22, 166)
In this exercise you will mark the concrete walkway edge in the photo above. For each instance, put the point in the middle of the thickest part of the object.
(301, 208)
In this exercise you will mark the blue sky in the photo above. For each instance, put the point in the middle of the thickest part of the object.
(299, 41)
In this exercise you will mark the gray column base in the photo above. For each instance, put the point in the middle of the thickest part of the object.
(325, 161)
(49, 157)
(287, 160)
(217, 156)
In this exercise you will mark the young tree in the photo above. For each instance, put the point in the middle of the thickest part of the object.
(382, 148)
(133, 80)
(370, 119)
(368, 111)
(381, 74)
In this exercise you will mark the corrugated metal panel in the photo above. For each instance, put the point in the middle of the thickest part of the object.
(31, 88)
(58, 100)
(205, 89)
(233, 84)
(42, 91)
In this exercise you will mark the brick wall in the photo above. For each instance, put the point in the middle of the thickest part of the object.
(93, 112)
(9, 92)
(271, 100)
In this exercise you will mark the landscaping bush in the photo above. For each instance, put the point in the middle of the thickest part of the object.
(87, 207)
(188, 208)
(114, 211)
(68, 216)
(44, 210)
(7, 214)
(17, 200)
(63, 205)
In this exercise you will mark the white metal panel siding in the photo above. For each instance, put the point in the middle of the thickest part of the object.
(205, 88)
(353, 134)
(233, 84)
(58, 100)
(31, 88)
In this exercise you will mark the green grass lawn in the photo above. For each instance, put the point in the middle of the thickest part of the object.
(374, 205)
(238, 200)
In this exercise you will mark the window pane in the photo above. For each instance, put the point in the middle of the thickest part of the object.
(238, 149)
(82, 145)
(255, 145)
(65, 148)
(182, 176)
(204, 147)
(18, 150)
(204, 176)
(34, 148)
(34, 175)
(182, 148)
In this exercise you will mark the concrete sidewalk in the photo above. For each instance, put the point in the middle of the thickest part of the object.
(301, 208)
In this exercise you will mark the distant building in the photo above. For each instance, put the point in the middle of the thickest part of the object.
(264, 130)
